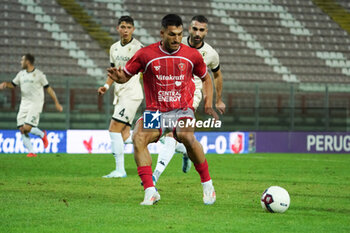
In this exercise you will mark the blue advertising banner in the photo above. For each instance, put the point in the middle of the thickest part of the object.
(303, 142)
(226, 142)
(11, 142)
(98, 142)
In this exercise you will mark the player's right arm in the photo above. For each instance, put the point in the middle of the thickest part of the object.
(109, 81)
(15, 82)
(5, 85)
(102, 90)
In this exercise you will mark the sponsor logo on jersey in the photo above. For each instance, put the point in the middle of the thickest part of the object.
(170, 77)
(178, 83)
(169, 96)
(157, 68)
(122, 58)
(182, 66)
(28, 81)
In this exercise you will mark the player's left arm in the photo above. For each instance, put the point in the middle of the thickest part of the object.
(218, 80)
(200, 70)
(208, 96)
(52, 93)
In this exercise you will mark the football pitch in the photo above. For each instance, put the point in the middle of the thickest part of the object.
(65, 193)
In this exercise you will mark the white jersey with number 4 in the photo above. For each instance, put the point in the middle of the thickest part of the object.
(210, 56)
(32, 89)
(119, 55)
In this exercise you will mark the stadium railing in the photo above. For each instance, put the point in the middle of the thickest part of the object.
(250, 106)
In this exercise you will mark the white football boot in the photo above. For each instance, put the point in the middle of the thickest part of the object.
(151, 196)
(115, 174)
(209, 195)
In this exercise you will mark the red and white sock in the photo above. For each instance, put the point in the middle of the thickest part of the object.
(145, 173)
(203, 171)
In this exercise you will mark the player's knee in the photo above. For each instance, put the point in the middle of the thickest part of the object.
(26, 129)
(126, 132)
(21, 129)
(138, 140)
(186, 138)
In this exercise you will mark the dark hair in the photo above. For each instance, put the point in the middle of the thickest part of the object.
(200, 18)
(171, 20)
(30, 58)
(127, 19)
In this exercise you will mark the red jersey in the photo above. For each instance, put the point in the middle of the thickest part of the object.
(167, 77)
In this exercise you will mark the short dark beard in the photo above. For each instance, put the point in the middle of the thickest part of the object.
(194, 44)
(167, 48)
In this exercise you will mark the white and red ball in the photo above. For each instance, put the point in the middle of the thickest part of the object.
(275, 199)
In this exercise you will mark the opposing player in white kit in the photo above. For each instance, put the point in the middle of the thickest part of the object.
(197, 31)
(128, 96)
(32, 83)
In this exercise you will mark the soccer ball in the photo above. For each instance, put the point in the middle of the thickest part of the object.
(275, 199)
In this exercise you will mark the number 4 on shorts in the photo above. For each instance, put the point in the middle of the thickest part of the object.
(121, 113)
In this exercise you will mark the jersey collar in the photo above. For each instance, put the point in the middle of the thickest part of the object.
(132, 38)
(30, 71)
(188, 42)
(161, 49)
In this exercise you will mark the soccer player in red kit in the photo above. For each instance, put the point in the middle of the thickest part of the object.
(168, 68)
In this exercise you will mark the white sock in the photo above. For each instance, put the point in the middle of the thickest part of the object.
(117, 145)
(129, 139)
(27, 143)
(37, 131)
(166, 153)
(180, 148)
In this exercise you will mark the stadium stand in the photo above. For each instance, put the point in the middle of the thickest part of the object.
(53, 36)
(276, 55)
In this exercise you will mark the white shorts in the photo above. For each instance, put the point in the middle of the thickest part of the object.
(29, 117)
(197, 98)
(125, 110)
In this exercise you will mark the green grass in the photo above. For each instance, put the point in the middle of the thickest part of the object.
(65, 193)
